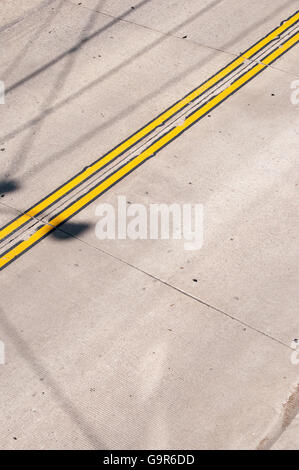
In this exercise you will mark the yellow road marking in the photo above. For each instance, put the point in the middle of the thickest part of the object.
(156, 146)
(95, 167)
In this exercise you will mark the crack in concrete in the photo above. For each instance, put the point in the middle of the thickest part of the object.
(289, 411)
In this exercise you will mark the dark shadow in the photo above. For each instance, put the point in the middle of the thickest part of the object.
(70, 230)
(8, 187)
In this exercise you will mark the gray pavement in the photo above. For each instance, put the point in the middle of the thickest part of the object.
(141, 344)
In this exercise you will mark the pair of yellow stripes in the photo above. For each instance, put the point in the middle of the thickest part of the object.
(84, 200)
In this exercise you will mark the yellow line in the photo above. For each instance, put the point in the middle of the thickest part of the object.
(167, 138)
(41, 206)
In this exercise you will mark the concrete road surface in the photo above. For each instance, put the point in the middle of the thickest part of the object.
(113, 336)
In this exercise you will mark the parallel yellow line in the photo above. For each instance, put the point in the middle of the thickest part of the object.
(155, 147)
(84, 175)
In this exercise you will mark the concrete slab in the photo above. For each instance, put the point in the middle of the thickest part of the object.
(99, 365)
(14, 12)
(219, 24)
(7, 213)
(142, 344)
(289, 439)
(243, 170)
(83, 105)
